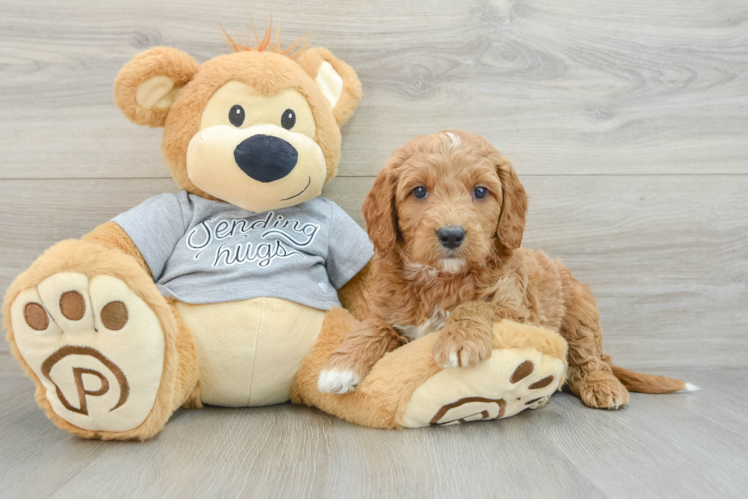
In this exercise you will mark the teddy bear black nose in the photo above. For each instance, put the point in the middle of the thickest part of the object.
(266, 158)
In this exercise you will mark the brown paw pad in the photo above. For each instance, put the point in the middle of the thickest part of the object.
(35, 316)
(523, 371)
(114, 315)
(72, 305)
(545, 382)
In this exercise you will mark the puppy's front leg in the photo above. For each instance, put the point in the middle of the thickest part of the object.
(467, 335)
(361, 348)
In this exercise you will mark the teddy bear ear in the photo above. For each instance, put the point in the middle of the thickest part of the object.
(338, 82)
(146, 87)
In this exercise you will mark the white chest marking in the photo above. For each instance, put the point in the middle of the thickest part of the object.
(433, 324)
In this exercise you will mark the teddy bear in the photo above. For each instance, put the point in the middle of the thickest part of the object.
(235, 290)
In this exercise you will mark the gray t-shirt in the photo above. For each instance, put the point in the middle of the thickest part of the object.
(202, 251)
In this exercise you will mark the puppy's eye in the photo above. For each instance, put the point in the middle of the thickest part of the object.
(480, 192)
(236, 116)
(421, 193)
(288, 120)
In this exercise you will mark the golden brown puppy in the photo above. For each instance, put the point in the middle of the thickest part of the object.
(446, 216)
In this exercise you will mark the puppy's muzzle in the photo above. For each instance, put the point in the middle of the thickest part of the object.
(451, 237)
(266, 158)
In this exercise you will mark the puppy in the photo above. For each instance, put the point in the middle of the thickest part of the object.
(446, 216)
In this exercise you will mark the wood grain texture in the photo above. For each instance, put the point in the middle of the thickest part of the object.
(589, 87)
(678, 445)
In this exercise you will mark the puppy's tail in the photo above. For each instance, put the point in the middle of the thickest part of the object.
(650, 384)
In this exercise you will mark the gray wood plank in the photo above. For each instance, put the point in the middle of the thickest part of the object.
(666, 257)
(670, 445)
(683, 435)
(8, 365)
(52, 457)
(597, 87)
(318, 456)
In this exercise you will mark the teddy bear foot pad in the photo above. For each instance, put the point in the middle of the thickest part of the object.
(95, 346)
(510, 381)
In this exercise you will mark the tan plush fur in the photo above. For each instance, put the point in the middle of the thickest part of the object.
(487, 279)
(109, 235)
(312, 59)
(180, 373)
(511, 335)
(158, 61)
(267, 72)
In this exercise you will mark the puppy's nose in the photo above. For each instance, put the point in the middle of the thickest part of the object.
(266, 158)
(451, 236)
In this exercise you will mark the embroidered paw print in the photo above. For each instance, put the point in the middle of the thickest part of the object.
(530, 388)
(469, 410)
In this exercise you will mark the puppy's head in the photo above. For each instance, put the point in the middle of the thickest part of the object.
(447, 201)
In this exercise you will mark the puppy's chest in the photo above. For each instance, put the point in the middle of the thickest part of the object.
(431, 324)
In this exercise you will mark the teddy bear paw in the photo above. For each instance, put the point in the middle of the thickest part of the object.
(511, 381)
(95, 346)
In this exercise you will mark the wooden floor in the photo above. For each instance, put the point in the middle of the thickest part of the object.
(627, 122)
(679, 445)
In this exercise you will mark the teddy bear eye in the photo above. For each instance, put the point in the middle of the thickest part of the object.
(288, 120)
(236, 116)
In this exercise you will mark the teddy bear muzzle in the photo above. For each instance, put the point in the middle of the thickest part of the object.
(258, 168)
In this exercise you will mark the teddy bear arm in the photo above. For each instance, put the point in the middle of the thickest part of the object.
(407, 388)
(111, 236)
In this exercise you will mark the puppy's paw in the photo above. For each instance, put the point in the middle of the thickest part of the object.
(337, 382)
(463, 344)
(603, 390)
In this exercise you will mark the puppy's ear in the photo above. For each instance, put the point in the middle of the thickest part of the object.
(514, 206)
(379, 210)
(146, 87)
(337, 81)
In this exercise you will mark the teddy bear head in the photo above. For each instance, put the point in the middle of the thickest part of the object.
(255, 128)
